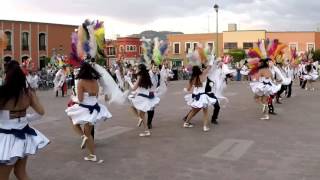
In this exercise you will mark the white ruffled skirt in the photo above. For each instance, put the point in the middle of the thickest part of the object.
(82, 115)
(311, 77)
(203, 102)
(261, 89)
(143, 104)
(13, 148)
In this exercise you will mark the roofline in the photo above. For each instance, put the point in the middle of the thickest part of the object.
(192, 34)
(39, 22)
(128, 37)
(247, 30)
(293, 32)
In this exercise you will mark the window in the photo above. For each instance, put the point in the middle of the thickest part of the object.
(195, 46)
(131, 48)
(230, 45)
(176, 48)
(25, 41)
(9, 45)
(140, 50)
(42, 42)
(176, 63)
(187, 46)
(111, 51)
(43, 62)
(310, 47)
(293, 46)
(247, 45)
(210, 46)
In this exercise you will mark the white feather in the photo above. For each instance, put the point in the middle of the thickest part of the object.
(110, 87)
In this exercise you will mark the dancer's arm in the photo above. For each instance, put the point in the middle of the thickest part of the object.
(35, 103)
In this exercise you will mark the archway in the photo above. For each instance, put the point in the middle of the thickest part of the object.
(7, 58)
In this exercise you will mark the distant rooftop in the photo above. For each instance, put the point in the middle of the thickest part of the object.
(39, 22)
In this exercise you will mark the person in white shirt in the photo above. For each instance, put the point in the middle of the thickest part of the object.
(289, 71)
(60, 81)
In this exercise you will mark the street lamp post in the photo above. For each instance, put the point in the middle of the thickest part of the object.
(216, 8)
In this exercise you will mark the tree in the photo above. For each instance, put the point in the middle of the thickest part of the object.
(237, 54)
(316, 55)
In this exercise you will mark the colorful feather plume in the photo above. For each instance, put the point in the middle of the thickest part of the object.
(267, 49)
(154, 50)
(87, 42)
(202, 54)
(147, 47)
(194, 58)
(253, 65)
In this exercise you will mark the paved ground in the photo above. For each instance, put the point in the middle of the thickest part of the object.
(242, 147)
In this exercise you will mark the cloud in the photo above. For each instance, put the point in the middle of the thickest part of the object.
(132, 16)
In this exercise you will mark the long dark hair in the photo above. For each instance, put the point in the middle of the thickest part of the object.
(87, 72)
(145, 81)
(195, 76)
(15, 83)
(264, 63)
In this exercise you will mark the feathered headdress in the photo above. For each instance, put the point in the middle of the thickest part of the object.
(199, 56)
(87, 42)
(265, 49)
(154, 50)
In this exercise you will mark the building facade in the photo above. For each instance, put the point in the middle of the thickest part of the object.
(110, 51)
(241, 39)
(180, 43)
(301, 41)
(34, 40)
(128, 49)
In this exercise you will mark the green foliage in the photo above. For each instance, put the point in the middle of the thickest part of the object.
(316, 55)
(101, 61)
(237, 54)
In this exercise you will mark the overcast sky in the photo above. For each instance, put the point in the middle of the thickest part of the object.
(126, 17)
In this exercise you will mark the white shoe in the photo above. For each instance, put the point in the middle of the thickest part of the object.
(266, 117)
(139, 122)
(145, 134)
(93, 158)
(188, 125)
(206, 128)
(84, 140)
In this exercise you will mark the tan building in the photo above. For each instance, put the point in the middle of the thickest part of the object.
(242, 39)
(35, 40)
(180, 43)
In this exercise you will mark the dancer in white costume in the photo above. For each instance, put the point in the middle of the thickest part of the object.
(310, 75)
(60, 81)
(17, 139)
(87, 111)
(199, 99)
(144, 99)
(263, 86)
(244, 71)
